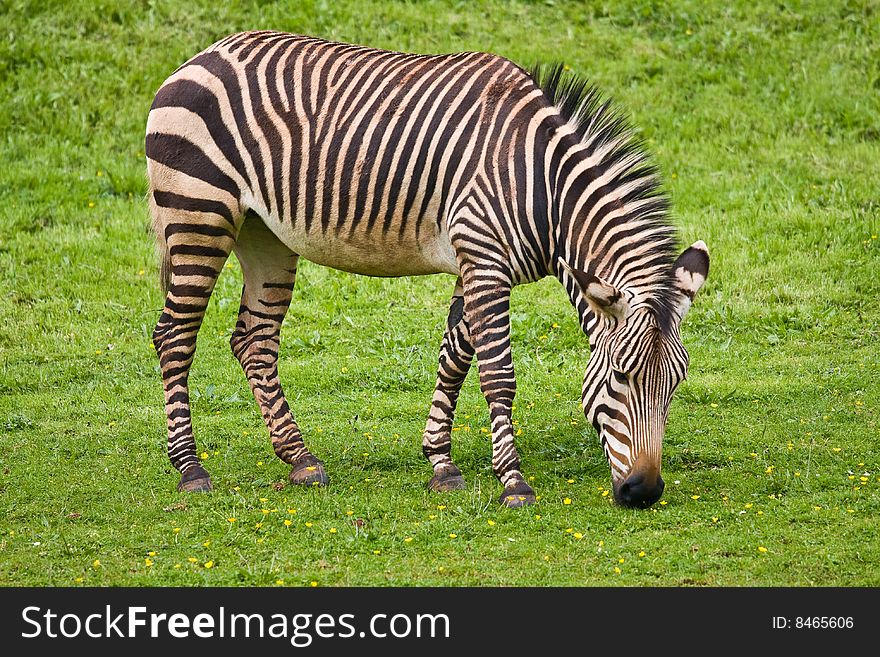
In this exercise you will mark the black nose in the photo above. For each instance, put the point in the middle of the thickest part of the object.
(637, 492)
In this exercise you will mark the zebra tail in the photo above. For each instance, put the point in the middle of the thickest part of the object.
(164, 265)
(162, 252)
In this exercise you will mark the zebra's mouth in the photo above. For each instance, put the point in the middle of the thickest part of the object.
(638, 492)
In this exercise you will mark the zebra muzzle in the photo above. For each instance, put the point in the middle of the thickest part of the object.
(639, 490)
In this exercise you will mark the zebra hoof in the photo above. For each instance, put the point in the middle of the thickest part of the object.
(197, 480)
(517, 501)
(446, 480)
(308, 471)
(518, 495)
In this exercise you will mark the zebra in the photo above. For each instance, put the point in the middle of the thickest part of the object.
(278, 146)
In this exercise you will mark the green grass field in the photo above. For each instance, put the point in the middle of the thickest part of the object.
(765, 122)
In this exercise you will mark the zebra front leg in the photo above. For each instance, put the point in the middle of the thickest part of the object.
(487, 304)
(269, 270)
(456, 353)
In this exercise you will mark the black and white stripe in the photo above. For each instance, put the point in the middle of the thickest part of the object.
(278, 146)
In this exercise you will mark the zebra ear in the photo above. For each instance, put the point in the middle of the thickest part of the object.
(689, 271)
(602, 296)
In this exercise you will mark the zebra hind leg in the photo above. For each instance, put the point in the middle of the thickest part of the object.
(196, 237)
(456, 354)
(269, 270)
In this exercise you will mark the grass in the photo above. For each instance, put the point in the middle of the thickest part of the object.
(764, 121)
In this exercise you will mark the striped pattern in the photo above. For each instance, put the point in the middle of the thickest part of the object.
(630, 407)
(278, 146)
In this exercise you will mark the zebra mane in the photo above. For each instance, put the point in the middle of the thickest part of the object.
(601, 126)
(594, 118)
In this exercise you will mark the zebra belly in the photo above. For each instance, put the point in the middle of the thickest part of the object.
(373, 254)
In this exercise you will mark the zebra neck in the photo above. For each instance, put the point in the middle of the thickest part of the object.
(610, 221)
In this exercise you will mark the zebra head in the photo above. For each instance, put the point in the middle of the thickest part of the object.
(636, 361)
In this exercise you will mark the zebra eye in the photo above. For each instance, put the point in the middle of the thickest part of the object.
(619, 376)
